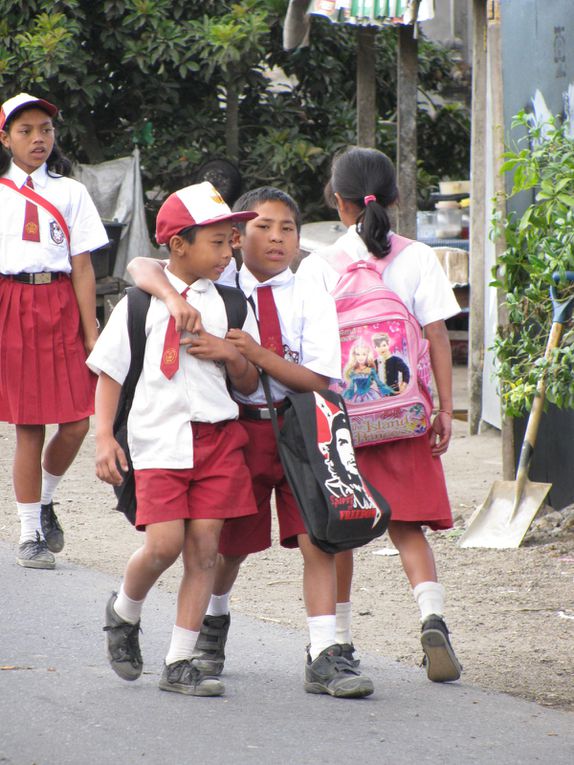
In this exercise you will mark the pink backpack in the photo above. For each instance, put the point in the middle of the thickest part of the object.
(386, 370)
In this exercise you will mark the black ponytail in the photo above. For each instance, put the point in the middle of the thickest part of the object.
(366, 177)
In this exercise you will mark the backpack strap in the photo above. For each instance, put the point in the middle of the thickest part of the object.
(138, 304)
(38, 199)
(235, 305)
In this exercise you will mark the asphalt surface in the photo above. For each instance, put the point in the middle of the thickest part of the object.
(60, 703)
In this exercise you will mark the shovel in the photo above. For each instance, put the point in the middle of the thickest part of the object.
(509, 509)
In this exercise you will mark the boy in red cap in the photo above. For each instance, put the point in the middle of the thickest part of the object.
(185, 442)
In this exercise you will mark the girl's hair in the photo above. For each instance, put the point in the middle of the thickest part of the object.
(353, 363)
(57, 163)
(252, 199)
(358, 173)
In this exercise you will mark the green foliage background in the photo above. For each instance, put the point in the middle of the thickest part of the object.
(539, 244)
(160, 73)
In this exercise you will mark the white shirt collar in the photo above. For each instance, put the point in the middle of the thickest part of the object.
(199, 285)
(249, 283)
(19, 176)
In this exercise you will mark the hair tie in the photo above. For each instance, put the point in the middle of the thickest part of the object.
(369, 198)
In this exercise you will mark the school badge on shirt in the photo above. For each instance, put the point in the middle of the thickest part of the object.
(56, 233)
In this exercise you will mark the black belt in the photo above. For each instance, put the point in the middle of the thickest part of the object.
(262, 412)
(40, 277)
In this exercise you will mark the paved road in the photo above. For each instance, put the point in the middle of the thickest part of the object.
(60, 704)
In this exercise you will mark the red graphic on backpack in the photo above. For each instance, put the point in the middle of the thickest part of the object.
(386, 370)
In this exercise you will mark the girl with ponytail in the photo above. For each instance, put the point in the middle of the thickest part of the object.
(407, 472)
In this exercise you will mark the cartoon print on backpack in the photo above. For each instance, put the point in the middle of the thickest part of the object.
(360, 380)
(392, 368)
(342, 479)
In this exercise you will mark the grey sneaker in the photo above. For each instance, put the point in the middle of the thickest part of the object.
(209, 653)
(123, 644)
(331, 673)
(34, 553)
(184, 677)
(348, 652)
(440, 661)
(51, 529)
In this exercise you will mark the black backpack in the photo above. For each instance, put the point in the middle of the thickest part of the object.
(138, 304)
(340, 508)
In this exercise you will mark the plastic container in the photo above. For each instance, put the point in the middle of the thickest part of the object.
(426, 224)
(449, 220)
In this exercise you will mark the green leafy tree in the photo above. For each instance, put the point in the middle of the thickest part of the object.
(188, 80)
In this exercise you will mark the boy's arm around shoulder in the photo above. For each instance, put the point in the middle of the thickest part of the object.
(148, 275)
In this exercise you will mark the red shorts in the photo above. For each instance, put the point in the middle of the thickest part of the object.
(218, 486)
(243, 536)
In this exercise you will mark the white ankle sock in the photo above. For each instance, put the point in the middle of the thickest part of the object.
(29, 514)
(430, 598)
(49, 484)
(218, 605)
(182, 644)
(127, 609)
(322, 630)
(343, 629)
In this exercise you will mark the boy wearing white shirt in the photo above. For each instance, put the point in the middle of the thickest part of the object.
(185, 442)
(304, 358)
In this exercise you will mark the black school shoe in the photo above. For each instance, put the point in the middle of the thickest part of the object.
(51, 529)
(348, 652)
(184, 677)
(123, 643)
(331, 673)
(209, 652)
(440, 661)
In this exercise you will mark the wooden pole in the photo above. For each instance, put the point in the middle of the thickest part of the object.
(494, 47)
(478, 217)
(407, 131)
(366, 87)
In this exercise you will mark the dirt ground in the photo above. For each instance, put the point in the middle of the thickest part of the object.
(511, 613)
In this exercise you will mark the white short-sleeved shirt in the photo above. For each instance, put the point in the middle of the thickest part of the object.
(416, 276)
(159, 432)
(309, 328)
(51, 253)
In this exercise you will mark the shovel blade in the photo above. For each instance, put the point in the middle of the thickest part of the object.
(496, 523)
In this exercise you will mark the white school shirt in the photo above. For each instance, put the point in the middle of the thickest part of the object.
(309, 328)
(159, 431)
(51, 253)
(415, 275)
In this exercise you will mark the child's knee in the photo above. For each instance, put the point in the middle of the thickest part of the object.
(76, 431)
(161, 554)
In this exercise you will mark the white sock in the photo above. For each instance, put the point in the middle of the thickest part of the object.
(182, 644)
(343, 629)
(218, 605)
(127, 609)
(49, 484)
(29, 514)
(322, 630)
(430, 598)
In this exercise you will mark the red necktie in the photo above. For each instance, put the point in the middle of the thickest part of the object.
(269, 327)
(31, 231)
(170, 356)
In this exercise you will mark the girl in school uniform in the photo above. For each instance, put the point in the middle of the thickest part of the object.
(48, 226)
(408, 473)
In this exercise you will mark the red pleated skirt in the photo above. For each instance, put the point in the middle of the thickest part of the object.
(43, 375)
(410, 479)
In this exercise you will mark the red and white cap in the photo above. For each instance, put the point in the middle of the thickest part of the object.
(197, 205)
(23, 101)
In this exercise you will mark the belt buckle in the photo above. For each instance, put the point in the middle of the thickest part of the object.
(265, 414)
(44, 277)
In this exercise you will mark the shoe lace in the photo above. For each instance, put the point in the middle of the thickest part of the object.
(128, 648)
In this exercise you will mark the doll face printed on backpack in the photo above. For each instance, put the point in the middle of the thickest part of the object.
(205, 257)
(29, 138)
(270, 242)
